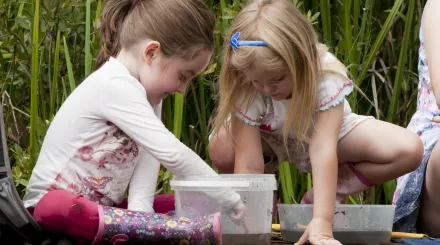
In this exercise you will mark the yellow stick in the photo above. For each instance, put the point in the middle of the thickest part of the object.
(277, 227)
(396, 235)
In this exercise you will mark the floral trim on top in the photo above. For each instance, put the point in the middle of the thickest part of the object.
(338, 98)
(252, 114)
(242, 117)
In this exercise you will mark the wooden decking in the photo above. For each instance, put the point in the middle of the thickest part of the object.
(276, 239)
(283, 243)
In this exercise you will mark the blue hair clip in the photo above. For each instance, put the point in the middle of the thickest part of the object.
(235, 42)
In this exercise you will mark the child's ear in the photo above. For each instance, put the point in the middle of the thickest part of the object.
(151, 51)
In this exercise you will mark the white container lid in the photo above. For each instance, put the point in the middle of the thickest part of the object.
(244, 182)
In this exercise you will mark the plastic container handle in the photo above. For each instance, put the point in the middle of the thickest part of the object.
(195, 183)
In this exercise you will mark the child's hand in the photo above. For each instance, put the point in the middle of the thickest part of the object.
(237, 213)
(318, 232)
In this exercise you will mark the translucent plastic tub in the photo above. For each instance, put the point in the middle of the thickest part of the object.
(256, 191)
(351, 223)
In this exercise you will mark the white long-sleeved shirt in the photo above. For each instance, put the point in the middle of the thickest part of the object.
(106, 137)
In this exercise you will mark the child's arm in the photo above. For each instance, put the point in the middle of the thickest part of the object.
(329, 113)
(123, 102)
(142, 187)
(247, 146)
(324, 160)
(246, 119)
(143, 183)
(431, 19)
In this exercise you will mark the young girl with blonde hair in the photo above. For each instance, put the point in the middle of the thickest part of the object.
(286, 94)
(108, 137)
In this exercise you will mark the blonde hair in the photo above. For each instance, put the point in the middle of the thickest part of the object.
(183, 28)
(292, 43)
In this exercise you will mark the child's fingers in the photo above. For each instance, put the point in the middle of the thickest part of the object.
(317, 241)
(330, 242)
(303, 239)
(237, 215)
(246, 229)
(233, 217)
(238, 212)
(336, 242)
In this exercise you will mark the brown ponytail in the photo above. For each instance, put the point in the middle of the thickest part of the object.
(112, 19)
(182, 27)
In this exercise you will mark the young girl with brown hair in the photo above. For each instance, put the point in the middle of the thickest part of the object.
(108, 137)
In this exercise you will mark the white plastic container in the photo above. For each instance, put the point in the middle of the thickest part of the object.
(256, 191)
(360, 224)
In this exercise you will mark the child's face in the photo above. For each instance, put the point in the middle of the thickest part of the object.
(276, 84)
(164, 76)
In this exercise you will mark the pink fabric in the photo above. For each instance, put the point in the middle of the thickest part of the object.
(162, 203)
(350, 181)
(361, 178)
(63, 212)
(100, 226)
(217, 227)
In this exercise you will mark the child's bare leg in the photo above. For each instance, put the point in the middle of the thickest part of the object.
(379, 151)
(222, 157)
(382, 151)
(221, 152)
(429, 216)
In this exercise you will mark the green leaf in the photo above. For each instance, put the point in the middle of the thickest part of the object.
(23, 182)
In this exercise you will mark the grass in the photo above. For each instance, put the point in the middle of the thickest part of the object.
(48, 47)
(34, 81)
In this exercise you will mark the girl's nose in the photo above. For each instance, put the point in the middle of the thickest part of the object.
(181, 88)
(268, 89)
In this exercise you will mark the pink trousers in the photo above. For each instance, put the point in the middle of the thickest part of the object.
(62, 212)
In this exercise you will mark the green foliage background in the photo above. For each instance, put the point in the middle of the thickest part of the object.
(48, 47)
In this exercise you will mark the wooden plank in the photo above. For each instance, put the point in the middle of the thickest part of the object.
(283, 243)
(276, 239)
(286, 243)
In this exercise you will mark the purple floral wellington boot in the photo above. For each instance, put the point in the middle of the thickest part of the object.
(350, 182)
(121, 226)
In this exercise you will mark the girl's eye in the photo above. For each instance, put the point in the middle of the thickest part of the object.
(182, 77)
(277, 80)
(272, 83)
(255, 83)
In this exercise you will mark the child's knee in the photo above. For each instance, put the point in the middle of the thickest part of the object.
(221, 152)
(220, 156)
(52, 203)
(67, 213)
(412, 152)
(58, 206)
(164, 203)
